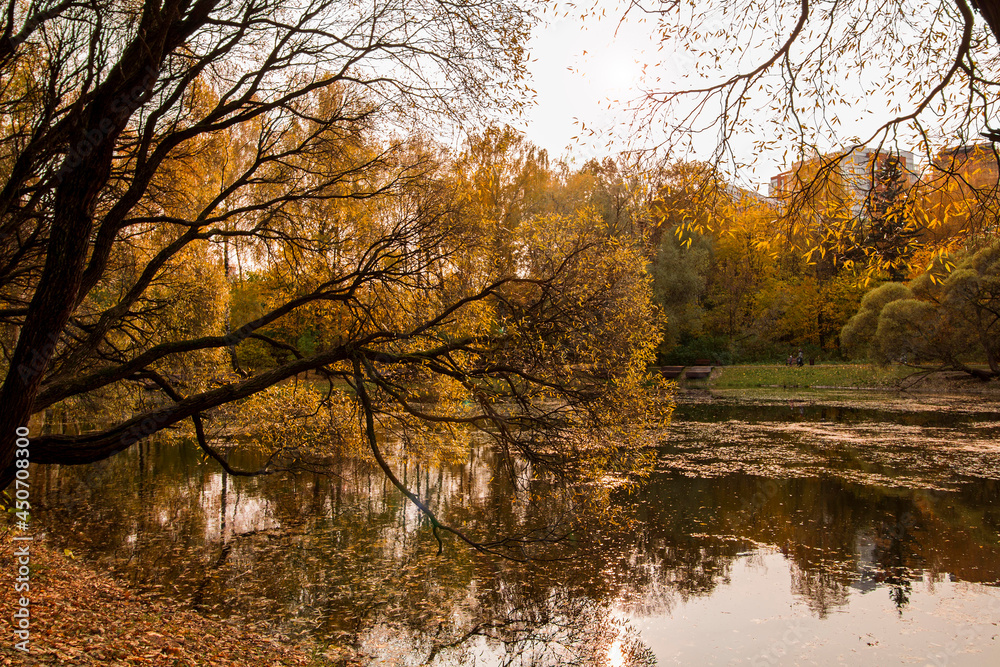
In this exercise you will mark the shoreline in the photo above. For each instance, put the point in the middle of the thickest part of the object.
(844, 377)
(82, 615)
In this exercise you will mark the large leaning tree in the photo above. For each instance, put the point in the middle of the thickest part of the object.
(815, 79)
(150, 150)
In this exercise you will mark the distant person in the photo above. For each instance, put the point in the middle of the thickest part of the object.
(790, 360)
(799, 359)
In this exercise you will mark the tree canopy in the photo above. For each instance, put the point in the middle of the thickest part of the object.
(794, 61)
(817, 80)
(204, 200)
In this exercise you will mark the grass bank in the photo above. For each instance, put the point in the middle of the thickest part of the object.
(860, 376)
(844, 376)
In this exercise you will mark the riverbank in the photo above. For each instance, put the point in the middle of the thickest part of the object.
(843, 376)
(80, 616)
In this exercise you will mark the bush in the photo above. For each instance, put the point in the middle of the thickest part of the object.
(857, 335)
(954, 322)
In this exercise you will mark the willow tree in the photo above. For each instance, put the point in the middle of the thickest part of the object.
(147, 147)
(790, 76)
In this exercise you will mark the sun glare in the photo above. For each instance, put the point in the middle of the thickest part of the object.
(616, 658)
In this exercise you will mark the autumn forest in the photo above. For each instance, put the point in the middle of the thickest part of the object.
(289, 294)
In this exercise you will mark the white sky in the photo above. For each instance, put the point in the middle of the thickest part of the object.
(583, 73)
(586, 71)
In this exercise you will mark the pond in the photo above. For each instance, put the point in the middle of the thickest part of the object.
(779, 528)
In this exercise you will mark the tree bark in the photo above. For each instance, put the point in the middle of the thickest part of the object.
(990, 11)
(84, 172)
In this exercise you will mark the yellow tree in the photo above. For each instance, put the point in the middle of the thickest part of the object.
(162, 143)
(786, 75)
(502, 180)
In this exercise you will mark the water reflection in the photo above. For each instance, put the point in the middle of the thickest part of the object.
(826, 503)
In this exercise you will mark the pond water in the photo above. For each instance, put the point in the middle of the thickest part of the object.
(810, 528)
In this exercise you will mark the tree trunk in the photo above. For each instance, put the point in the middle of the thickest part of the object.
(84, 172)
(990, 11)
(53, 302)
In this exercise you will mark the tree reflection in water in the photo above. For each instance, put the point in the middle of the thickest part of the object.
(344, 558)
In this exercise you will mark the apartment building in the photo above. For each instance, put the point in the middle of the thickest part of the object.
(855, 170)
(975, 164)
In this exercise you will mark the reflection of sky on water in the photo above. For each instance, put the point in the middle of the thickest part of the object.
(760, 619)
(831, 531)
(243, 514)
